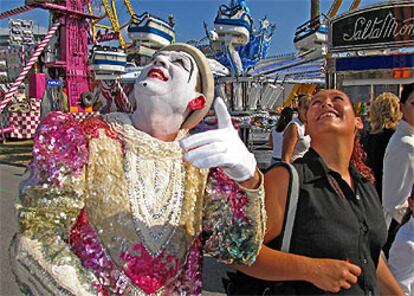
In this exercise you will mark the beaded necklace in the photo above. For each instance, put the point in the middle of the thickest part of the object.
(156, 193)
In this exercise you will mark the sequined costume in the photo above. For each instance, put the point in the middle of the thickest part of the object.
(110, 210)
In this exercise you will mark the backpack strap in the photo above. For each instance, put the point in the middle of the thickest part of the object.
(292, 204)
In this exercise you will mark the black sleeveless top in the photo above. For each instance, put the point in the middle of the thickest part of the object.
(334, 222)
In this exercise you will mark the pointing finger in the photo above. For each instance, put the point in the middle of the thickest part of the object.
(223, 116)
(201, 139)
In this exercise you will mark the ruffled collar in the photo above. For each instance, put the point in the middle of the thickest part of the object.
(144, 144)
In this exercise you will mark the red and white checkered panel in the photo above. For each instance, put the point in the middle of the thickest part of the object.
(25, 123)
(84, 115)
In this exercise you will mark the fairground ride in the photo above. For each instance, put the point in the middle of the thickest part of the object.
(115, 26)
(311, 39)
(70, 21)
(74, 26)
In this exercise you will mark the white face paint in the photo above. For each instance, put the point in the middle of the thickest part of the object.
(167, 83)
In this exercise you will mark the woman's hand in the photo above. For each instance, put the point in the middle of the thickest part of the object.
(333, 275)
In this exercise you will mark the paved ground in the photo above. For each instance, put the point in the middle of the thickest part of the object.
(10, 176)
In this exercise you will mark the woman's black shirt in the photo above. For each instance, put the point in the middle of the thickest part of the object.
(333, 221)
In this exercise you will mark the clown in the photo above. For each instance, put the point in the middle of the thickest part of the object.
(129, 203)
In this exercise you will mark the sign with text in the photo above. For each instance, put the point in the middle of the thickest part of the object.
(54, 83)
(383, 26)
(106, 36)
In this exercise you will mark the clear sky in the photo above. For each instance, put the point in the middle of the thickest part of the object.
(190, 14)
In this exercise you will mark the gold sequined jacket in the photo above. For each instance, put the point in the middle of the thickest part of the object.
(110, 210)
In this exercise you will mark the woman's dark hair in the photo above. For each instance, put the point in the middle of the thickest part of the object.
(359, 155)
(407, 90)
(358, 160)
(285, 117)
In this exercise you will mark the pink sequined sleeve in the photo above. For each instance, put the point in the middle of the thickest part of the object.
(49, 203)
(234, 219)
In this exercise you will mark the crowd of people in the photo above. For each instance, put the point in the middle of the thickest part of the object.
(127, 204)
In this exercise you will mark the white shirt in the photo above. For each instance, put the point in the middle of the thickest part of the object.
(401, 258)
(398, 176)
(277, 141)
(304, 141)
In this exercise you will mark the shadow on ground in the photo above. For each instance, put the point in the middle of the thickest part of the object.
(16, 152)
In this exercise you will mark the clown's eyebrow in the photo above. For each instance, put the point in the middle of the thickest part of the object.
(181, 56)
(185, 56)
(191, 69)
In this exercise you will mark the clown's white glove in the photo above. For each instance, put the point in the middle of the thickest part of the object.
(221, 148)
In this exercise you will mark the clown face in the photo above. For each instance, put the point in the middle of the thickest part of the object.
(168, 82)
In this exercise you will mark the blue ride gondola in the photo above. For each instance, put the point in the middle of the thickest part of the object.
(233, 22)
(151, 31)
(311, 34)
(107, 59)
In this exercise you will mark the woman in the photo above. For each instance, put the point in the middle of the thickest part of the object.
(339, 228)
(295, 142)
(383, 118)
(276, 136)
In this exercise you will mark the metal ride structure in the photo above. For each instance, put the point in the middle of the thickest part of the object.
(112, 15)
(253, 91)
(70, 22)
(304, 72)
(108, 64)
(311, 39)
(240, 46)
(148, 34)
(237, 44)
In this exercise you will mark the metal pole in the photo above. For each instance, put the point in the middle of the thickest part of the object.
(15, 11)
(315, 9)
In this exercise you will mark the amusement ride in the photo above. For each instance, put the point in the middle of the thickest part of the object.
(76, 69)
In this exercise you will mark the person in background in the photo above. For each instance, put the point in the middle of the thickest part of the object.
(295, 141)
(398, 174)
(401, 258)
(339, 228)
(276, 135)
(383, 117)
